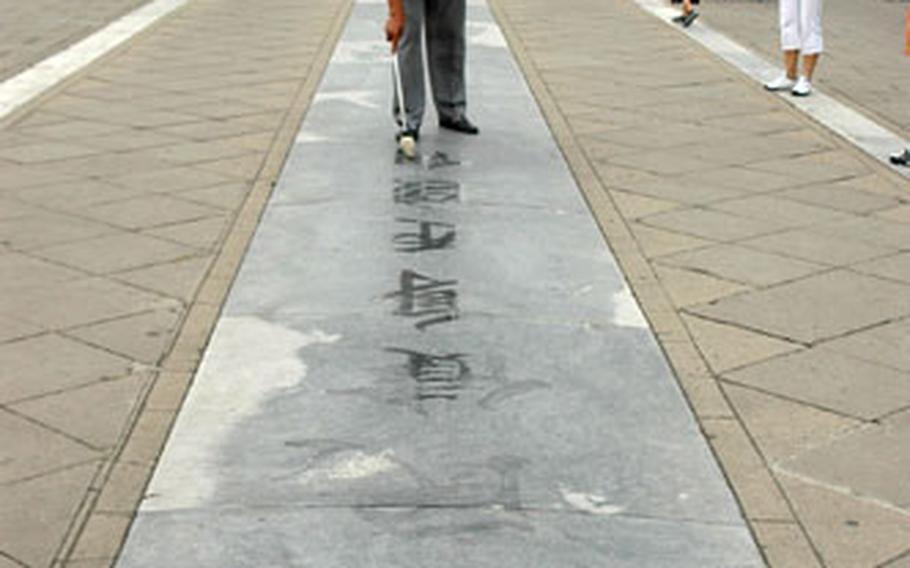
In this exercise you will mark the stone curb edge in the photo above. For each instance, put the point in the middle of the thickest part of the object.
(104, 519)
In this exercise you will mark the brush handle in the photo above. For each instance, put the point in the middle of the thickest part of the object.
(402, 114)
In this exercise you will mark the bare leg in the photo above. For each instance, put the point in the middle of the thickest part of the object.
(791, 63)
(687, 6)
(809, 63)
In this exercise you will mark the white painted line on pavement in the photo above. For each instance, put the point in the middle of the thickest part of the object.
(39, 78)
(858, 129)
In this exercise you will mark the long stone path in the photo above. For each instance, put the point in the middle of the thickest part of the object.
(433, 363)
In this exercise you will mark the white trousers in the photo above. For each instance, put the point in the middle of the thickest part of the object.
(801, 26)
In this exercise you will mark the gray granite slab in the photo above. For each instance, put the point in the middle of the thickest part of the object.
(433, 363)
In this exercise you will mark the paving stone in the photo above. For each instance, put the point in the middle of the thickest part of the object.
(676, 190)
(195, 152)
(785, 545)
(11, 329)
(150, 211)
(829, 380)
(178, 280)
(46, 152)
(813, 247)
(45, 229)
(228, 197)
(30, 450)
(712, 225)
(203, 234)
(72, 129)
(740, 179)
(801, 311)
(79, 302)
(873, 462)
(111, 401)
(73, 196)
(657, 242)
(10, 209)
(116, 253)
(143, 337)
(898, 214)
(895, 267)
(784, 429)
(167, 180)
(737, 264)
(745, 470)
(886, 345)
(783, 211)
(687, 288)
(38, 512)
(19, 272)
(874, 183)
(727, 347)
(814, 168)
(848, 531)
(241, 168)
(50, 363)
(841, 197)
(131, 139)
(869, 230)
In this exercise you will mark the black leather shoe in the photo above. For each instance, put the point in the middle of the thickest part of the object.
(901, 158)
(459, 124)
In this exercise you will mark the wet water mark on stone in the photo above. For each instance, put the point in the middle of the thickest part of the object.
(424, 236)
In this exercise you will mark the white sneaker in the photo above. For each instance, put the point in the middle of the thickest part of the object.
(802, 88)
(782, 83)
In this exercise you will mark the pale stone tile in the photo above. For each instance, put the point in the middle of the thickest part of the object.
(784, 429)
(168, 180)
(785, 545)
(740, 178)
(841, 197)
(657, 242)
(130, 139)
(847, 531)
(783, 211)
(887, 345)
(870, 230)
(45, 229)
(228, 196)
(50, 363)
(738, 264)
(728, 347)
(46, 152)
(73, 196)
(822, 249)
(79, 302)
(142, 337)
(176, 279)
(19, 271)
(203, 234)
(115, 253)
(848, 462)
(802, 311)
(687, 288)
(712, 225)
(37, 513)
(242, 168)
(111, 401)
(30, 450)
(813, 168)
(102, 535)
(829, 380)
(124, 488)
(634, 206)
(11, 329)
(898, 214)
(10, 209)
(195, 152)
(149, 211)
(80, 129)
(895, 267)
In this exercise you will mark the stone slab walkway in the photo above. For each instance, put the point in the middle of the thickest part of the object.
(433, 363)
(120, 194)
(770, 257)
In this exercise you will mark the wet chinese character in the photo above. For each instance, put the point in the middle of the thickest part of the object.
(441, 160)
(424, 235)
(429, 300)
(413, 192)
(438, 377)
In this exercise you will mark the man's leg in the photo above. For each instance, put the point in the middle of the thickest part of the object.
(410, 62)
(445, 21)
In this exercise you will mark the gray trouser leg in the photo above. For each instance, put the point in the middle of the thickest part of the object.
(445, 21)
(410, 62)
